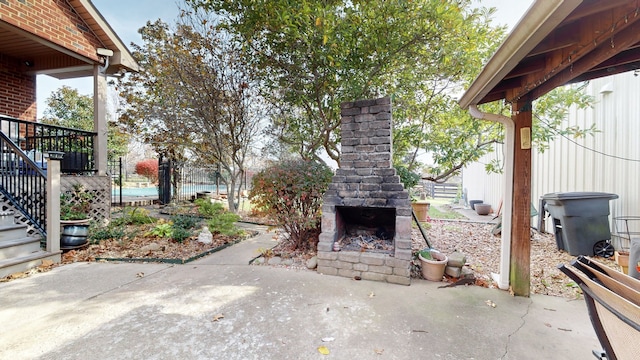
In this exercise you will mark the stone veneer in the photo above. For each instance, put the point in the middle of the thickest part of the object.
(366, 179)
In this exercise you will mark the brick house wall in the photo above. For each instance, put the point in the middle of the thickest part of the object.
(17, 90)
(52, 20)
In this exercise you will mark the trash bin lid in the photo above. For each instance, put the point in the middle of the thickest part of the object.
(579, 195)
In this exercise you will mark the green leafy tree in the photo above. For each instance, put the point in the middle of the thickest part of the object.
(311, 55)
(194, 95)
(67, 107)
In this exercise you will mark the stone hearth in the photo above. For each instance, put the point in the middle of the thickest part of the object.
(366, 203)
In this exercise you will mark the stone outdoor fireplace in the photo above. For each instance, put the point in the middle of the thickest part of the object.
(366, 216)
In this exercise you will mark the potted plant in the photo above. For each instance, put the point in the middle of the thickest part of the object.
(75, 215)
(433, 263)
(421, 207)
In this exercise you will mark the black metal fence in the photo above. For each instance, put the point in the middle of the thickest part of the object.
(115, 170)
(184, 181)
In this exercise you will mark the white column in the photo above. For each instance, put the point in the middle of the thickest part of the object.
(53, 202)
(100, 124)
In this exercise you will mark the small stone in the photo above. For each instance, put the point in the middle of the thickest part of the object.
(276, 260)
(457, 259)
(150, 247)
(467, 273)
(453, 271)
(312, 263)
(205, 236)
(287, 262)
(259, 261)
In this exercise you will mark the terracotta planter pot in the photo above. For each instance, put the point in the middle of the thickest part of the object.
(422, 210)
(433, 270)
(622, 259)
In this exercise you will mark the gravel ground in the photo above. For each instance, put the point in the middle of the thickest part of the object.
(482, 250)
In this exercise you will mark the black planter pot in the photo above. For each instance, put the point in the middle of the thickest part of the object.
(74, 235)
(472, 203)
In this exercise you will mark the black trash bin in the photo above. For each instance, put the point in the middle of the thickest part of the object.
(581, 221)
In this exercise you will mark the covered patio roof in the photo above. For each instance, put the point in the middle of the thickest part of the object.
(40, 55)
(557, 42)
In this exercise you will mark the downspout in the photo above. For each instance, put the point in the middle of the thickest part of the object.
(502, 278)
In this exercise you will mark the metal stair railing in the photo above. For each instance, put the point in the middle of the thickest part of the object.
(23, 183)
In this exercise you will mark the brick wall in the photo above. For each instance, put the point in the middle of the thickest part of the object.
(52, 20)
(366, 178)
(17, 90)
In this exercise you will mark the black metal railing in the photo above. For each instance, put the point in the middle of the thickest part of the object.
(35, 139)
(23, 183)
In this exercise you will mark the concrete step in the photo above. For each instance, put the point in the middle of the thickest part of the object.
(13, 231)
(23, 263)
(19, 247)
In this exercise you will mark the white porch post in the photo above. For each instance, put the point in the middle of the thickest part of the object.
(100, 124)
(53, 201)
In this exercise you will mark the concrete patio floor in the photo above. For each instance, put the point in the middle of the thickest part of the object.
(219, 307)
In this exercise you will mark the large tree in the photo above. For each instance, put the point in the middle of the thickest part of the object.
(67, 107)
(194, 95)
(313, 54)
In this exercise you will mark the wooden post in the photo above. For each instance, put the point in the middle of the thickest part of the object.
(520, 273)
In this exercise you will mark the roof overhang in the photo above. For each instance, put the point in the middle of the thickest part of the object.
(558, 42)
(37, 55)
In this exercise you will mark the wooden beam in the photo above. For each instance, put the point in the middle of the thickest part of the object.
(617, 44)
(520, 262)
(595, 46)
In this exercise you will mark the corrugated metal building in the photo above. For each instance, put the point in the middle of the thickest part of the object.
(609, 161)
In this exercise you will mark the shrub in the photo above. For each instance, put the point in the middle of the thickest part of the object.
(134, 216)
(149, 169)
(220, 220)
(184, 221)
(179, 234)
(111, 231)
(290, 193)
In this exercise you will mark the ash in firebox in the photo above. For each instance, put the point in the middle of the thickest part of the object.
(377, 240)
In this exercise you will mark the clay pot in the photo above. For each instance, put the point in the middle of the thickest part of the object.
(483, 209)
(433, 270)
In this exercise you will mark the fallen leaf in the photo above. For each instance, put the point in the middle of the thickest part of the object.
(490, 303)
(372, 295)
(378, 351)
(46, 263)
(217, 317)
(323, 350)
(547, 324)
(140, 274)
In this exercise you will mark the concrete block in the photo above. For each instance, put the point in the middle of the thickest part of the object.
(349, 273)
(402, 272)
(453, 271)
(361, 267)
(467, 273)
(403, 254)
(387, 270)
(349, 256)
(457, 259)
(327, 270)
(373, 276)
(373, 258)
(328, 255)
